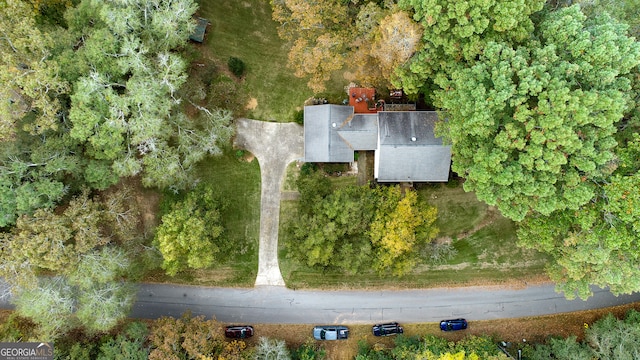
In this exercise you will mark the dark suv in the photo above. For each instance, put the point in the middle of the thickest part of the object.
(387, 329)
(454, 324)
(238, 331)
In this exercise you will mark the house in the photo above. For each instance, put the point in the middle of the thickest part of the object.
(405, 147)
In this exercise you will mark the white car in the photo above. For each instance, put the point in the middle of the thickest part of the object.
(330, 332)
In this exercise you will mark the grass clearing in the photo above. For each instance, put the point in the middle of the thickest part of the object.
(245, 29)
(239, 180)
(485, 242)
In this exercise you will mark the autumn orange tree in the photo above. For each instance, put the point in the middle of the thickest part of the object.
(185, 338)
(370, 38)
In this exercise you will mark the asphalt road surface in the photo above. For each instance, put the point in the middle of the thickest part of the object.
(274, 304)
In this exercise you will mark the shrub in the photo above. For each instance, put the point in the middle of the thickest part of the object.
(298, 117)
(236, 66)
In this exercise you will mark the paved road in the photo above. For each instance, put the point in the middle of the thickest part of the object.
(279, 305)
(275, 304)
(275, 145)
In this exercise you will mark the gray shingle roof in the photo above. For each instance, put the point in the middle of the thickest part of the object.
(406, 148)
(413, 164)
(360, 132)
(322, 143)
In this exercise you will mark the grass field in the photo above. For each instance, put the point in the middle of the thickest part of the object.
(484, 241)
(239, 180)
(245, 29)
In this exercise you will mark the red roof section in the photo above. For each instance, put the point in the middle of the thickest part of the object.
(363, 100)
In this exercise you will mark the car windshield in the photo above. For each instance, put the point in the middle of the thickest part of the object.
(322, 334)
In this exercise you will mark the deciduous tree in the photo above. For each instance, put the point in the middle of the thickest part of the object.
(333, 232)
(191, 233)
(457, 32)
(401, 225)
(533, 127)
(31, 84)
(187, 337)
(355, 226)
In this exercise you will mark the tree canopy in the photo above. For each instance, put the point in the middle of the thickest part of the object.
(456, 32)
(533, 126)
(97, 97)
(355, 228)
(76, 249)
(191, 234)
(371, 38)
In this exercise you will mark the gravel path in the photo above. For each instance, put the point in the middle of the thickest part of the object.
(275, 145)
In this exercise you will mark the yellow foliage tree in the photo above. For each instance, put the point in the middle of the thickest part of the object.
(401, 224)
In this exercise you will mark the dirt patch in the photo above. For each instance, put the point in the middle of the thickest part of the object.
(252, 104)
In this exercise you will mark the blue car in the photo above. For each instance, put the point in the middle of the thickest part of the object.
(453, 324)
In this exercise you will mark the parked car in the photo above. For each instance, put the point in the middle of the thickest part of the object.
(452, 325)
(387, 329)
(238, 331)
(330, 332)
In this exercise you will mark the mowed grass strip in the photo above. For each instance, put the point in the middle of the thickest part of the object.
(485, 242)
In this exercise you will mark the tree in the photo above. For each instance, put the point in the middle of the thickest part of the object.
(97, 100)
(50, 242)
(126, 110)
(355, 226)
(562, 349)
(607, 338)
(596, 244)
(233, 350)
(49, 303)
(457, 32)
(370, 37)
(88, 274)
(317, 30)
(103, 298)
(129, 344)
(31, 85)
(610, 338)
(401, 225)
(398, 39)
(187, 337)
(272, 349)
(333, 231)
(191, 233)
(533, 127)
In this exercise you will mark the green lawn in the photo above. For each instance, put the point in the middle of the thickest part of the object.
(239, 181)
(485, 243)
(244, 29)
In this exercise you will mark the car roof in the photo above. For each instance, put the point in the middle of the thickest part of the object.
(393, 324)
